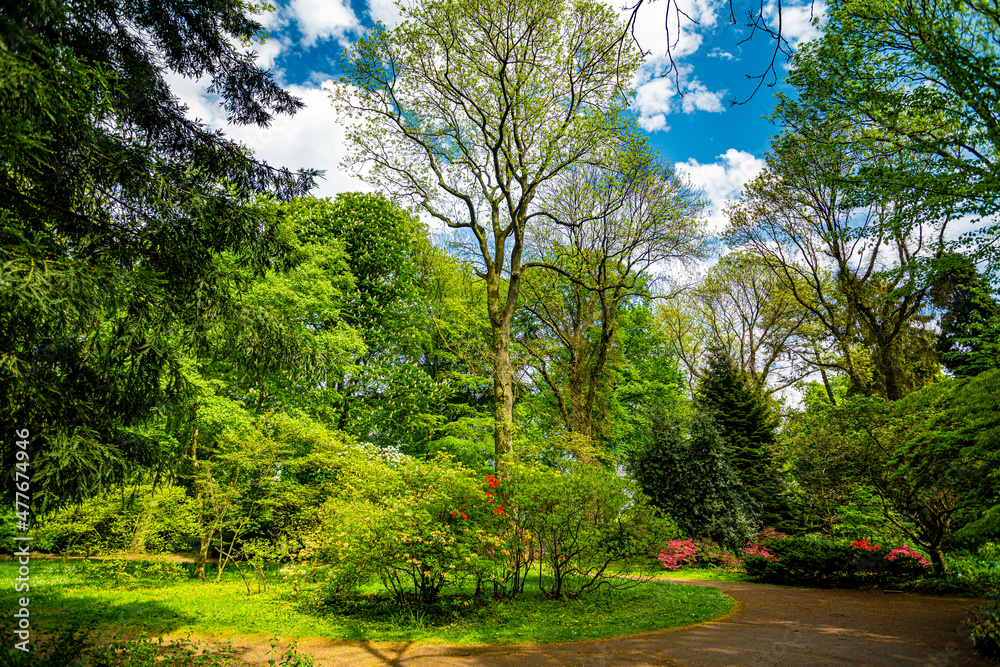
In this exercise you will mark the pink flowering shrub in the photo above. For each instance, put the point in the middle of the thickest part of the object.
(881, 565)
(906, 551)
(702, 553)
(753, 549)
(759, 547)
(711, 554)
(677, 553)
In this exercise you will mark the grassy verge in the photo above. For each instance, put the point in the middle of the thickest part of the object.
(704, 574)
(63, 594)
(654, 569)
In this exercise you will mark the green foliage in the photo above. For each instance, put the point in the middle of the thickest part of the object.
(422, 526)
(417, 526)
(606, 227)
(406, 385)
(982, 566)
(745, 423)
(968, 340)
(803, 561)
(114, 212)
(378, 238)
(912, 83)
(928, 461)
(683, 467)
(985, 634)
(585, 523)
(647, 373)
(431, 129)
(141, 519)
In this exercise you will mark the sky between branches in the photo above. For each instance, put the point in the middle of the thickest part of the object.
(718, 146)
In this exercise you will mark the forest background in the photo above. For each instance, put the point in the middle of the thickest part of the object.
(206, 357)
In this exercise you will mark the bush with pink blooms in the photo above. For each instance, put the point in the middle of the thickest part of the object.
(678, 553)
(697, 553)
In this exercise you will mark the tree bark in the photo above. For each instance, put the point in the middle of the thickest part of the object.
(503, 395)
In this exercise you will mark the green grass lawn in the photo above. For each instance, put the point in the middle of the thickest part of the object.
(654, 569)
(61, 594)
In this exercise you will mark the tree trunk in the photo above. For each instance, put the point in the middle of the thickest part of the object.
(937, 559)
(206, 543)
(503, 395)
(501, 314)
(139, 537)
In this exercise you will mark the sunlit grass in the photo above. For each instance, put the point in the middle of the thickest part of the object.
(655, 569)
(61, 595)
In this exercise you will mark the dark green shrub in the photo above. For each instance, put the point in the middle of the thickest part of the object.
(803, 561)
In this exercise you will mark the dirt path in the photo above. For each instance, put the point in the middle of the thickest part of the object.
(769, 626)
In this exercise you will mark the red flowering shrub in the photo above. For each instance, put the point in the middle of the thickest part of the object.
(418, 528)
(864, 545)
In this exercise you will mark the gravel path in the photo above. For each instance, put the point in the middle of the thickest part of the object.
(769, 626)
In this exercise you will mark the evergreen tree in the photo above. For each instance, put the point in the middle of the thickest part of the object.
(969, 337)
(114, 213)
(683, 467)
(748, 429)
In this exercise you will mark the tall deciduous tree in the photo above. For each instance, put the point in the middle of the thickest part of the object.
(851, 256)
(470, 109)
(741, 307)
(114, 208)
(610, 226)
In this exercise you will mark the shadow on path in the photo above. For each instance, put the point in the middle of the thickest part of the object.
(770, 626)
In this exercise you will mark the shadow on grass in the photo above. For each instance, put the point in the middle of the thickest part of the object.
(51, 611)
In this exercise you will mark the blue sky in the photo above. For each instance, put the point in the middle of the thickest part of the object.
(716, 145)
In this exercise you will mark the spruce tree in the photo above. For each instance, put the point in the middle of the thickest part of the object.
(682, 466)
(968, 341)
(749, 431)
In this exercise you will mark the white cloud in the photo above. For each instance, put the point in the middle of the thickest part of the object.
(720, 54)
(657, 98)
(271, 20)
(324, 19)
(385, 11)
(653, 22)
(722, 180)
(796, 20)
(699, 98)
(267, 53)
(314, 138)
(654, 100)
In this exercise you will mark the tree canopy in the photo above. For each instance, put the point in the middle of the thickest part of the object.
(916, 84)
(114, 212)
